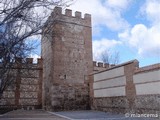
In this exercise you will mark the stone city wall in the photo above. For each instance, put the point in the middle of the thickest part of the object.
(126, 87)
(26, 89)
(62, 81)
(147, 85)
(100, 66)
(113, 89)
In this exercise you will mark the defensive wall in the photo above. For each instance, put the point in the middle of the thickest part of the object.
(25, 92)
(126, 88)
(67, 61)
(67, 79)
(26, 89)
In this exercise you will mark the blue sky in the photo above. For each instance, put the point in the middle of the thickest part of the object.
(131, 27)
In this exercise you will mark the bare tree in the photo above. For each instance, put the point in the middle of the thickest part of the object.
(110, 57)
(20, 21)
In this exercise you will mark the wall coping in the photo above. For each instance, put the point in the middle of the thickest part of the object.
(119, 65)
(148, 68)
(26, 63)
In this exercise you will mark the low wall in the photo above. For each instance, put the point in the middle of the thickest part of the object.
(125, 88)
(147, 84)
(26, 90)
(113, 89)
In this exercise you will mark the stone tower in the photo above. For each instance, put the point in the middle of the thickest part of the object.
(67, 61)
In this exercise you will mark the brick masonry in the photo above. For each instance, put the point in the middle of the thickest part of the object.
(26, 91)
(67, 57)
(141, 86)
(69, 80)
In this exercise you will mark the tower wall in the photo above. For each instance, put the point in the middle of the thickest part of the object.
(67, 55)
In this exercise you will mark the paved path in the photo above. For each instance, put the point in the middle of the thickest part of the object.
(30, 115)
(97, 115)
(69, 115)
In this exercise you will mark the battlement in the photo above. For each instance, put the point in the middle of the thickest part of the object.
(27, 61)
(68, 12)
(99, 66)
(102, 65)
(148, 68)
(78, 19)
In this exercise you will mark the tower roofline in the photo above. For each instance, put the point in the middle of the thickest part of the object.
(57, 15)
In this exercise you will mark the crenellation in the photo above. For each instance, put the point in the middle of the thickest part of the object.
(106, 65)
(40, 62)
(18, 60)
(68, 12)
(112, 65)
(57, 11)
(68, 17)
(100, 64)
(27, 85)
(29, 60)
(87, 16)
(94, 63)
(32, 62)
(78, 14)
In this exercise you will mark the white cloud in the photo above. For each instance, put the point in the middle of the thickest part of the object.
(145, 40)
(118, 4)
(108, 13)
(151, 9)
(101, 45)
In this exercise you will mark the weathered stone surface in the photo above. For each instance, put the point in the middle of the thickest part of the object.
(29, 73)
(8, 94)
(6, 101)
(28, 95)
(67, 57)
(29, 81)
(148, 102)
(61, 82)
(110, 103)
(30, 102)
(64, 97)
(113, 88)
(31, 88)
(27, 87)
